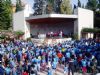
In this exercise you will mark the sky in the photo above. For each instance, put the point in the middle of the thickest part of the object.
(72, 1)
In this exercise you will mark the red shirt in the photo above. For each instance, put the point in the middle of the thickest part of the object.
(25, 73)
(59, 55)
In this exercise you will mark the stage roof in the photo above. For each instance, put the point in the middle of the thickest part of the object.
(51, 18)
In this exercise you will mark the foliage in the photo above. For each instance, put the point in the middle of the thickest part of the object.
(79, 4)
(75, 36)
(57, 4)
(5, 14)
(92, 4)
(83, 6)
(97, 19)
(19, 6)
(49, 8)
(91, 30)
(2, 36)
(75, 6)
(19, 33)
(29, 39)
(99, 4)
(38, 7)
(66, 7)
(95, 6)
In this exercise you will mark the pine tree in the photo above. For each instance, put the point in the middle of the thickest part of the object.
(79, 3)
(66, 7)
(19, 6)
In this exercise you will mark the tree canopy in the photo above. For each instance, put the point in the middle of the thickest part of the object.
(92, 4)
(66, 7)
(79, 4)
(95, 6)
(19, 6)
(52, 6)
(5, 14)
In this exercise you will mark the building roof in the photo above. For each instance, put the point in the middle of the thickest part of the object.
(51, 18)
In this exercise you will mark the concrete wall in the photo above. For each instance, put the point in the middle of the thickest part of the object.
(19, 22)
(85, 20)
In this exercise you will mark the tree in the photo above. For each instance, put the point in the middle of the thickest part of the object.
(79, 3)
(50, 6)
(56, 7)
(5, 14)
(38, 7)
(66, 7)
(83, 6)
(19, 6)
(99, 5)
(75, 6)
(92, 4)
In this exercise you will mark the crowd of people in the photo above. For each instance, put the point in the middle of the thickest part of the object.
(20, 57)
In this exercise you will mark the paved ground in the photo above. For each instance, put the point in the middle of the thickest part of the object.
(60, 72)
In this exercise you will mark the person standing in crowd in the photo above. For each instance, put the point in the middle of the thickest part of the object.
(66, 69)
(8, 70)
(49, 72)
(84, 64)
(71, 67)
(2, 71)
(51, 34)
(54, 66)
(27, 58)
(61, 34)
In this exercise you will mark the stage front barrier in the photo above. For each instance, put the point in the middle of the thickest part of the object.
(50, 41)
(42, 36)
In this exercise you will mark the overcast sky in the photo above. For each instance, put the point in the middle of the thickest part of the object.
(72, 1)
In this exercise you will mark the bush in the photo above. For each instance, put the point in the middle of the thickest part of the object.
(28, 39)
(75, 36)
(19, 33)
(2, 36)
(91, 30)
(88, 30)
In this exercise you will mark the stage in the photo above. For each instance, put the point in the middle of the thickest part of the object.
(49, 41)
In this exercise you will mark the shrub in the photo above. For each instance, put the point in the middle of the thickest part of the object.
(91, 30)
(19, 33)
(2, 36)
(28, 39)
(75, 36)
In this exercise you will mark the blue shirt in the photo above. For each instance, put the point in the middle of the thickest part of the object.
(68, 55)
(50, 72)
(7, 70)
(84, 63)
(1, 70)
(54, 65)
(66, 69)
